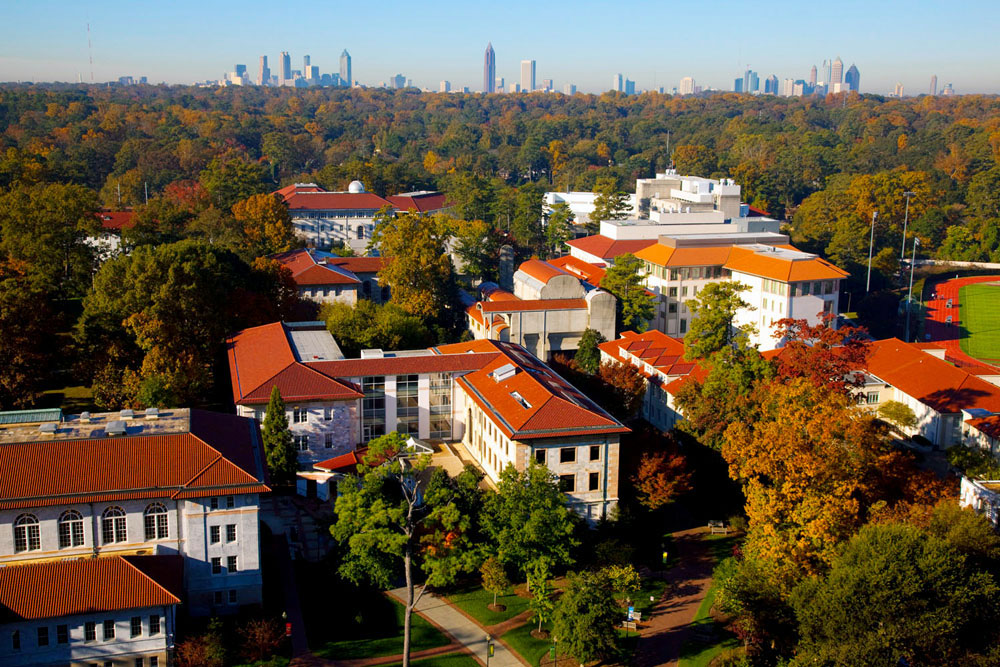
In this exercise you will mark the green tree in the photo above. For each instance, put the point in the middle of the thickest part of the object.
(635, 305)
(609, 204)
(494, 577)
(586, 616)
(898, 414)
(526, 227)
(476, 245)
(282, 460)
(588, 356)
(896, 592)
(557, 227)
(368, 325)
(713, 326)
(694, 160)
(624, 579)
(395, 516)
(26, 341)
(229, 180)
(527, 519)
(541, 604)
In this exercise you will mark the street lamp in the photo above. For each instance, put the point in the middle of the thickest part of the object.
(871, 246)
(909, 294)
(906, 218)
(489, 649)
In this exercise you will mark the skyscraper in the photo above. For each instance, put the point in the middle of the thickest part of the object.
(285, 69)
(527, 76)
(933, 89)
(629, 87)
(241, 70)
(812, 77)
(898, 90)
(754, 83)
(305, 64)
(771, 85)
(837, 73)
(569, 89)
(264, 77)
(490, 69)
(500, 86)
(345, 69)
(687, 86)
(738, 85)
(445, 87)
(853, 78)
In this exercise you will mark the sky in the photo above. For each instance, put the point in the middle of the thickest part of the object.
(581, 42)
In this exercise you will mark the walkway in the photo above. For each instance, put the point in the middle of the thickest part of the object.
(460, 627)
(300, 645)
(945, 333)
(669, 624)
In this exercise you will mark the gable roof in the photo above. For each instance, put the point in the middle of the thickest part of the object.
(420, 202)
(585, 271)
(540, 270)
(64, 588)
(358, 265)
(115, 221)
(664, 255)
(988, 426)
(334, 201)
(608, 248)
(655, 349)
(312, 267)
(782, 264)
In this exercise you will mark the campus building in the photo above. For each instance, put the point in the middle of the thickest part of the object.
(327, 278)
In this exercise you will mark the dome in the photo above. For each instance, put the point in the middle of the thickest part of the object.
(356, 186)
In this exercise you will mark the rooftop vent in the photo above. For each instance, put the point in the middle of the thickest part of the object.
(504, 372)
(372, 354)
(84, 417)
(116, 427)
(520, 399)
(127, 415)
(152, 413)
(48, 428)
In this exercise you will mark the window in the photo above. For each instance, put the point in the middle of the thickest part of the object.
(213, 504)
(684, 292)
(871, 398)
(154, 624)
(139, 662)
(567, 483)
(217, 598)
(301, 442)
(672, 292)
(135, 626)
(231, 532)
(232, 597)
(154, 661)
(113, 526)
(230, 502)
(217, 565)
(62, 634)
(595, 481)
(155, 522)
(671, 308)
(70, 529)
(89, 631)
(328, 440)
(231, 564)
(684, 325)
(214, 534)
(440, 406)
(567, 455)
(540, 456)
(15, 640)
(407, 407)
(373, 407)
(361, 232)
(109, 630)
(26, 537)
(300, 416)
(595, 452)
(43, 636)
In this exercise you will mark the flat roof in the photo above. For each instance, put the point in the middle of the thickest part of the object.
(314, 345)
(75, 428)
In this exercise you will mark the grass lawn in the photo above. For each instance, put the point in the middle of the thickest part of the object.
(474, 601)
(979, 312)
(72, 400)
(650, 588)
(377, 637)
(447, 660)
(520, 640)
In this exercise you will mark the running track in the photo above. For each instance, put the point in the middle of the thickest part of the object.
(939, 331)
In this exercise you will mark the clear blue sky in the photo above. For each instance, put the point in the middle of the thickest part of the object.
(582, 42)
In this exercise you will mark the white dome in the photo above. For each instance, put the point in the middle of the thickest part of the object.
(356, 186)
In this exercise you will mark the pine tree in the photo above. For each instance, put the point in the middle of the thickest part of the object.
(282, 460)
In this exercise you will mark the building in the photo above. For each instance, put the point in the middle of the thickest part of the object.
(581, 204)
(788, 88)
(285, 72)
(327, 278)
(345, 69)
(264, 75)
(837, 71)
(853, 78)
(933, 89)
(177, 482)
(670, 192)
(569, 89)
(500, 87)
(629, 87)
(547, 85)
(771, 85)
(504, 405)
(110, 611)
(490, 70)
(738, 85)
(687, 86)
(812, 77)
(898, 90)
(617, 83)
(947, 92)
(527, 76)
(983, 496)
(444, 87)
(547, 313)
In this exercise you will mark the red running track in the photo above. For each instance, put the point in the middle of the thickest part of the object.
(939, 331)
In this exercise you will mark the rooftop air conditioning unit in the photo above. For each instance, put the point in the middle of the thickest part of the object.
(127, 415)
(48, 428)
(372, 354)
(152, 413)
(84, 417)
(114, 428)
(504, 372)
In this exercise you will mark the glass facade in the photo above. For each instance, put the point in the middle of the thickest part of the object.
(407, 406)
(440, 407)
(373, 407)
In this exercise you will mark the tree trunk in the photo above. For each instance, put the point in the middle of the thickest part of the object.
(408, 612)
(494, 599)
(539, 624)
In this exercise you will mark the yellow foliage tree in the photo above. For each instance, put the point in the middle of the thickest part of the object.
(266, 224)
(420, 271)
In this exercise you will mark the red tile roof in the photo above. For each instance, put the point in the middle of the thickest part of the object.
(357, 265)
(748, 259)
(532, 304)
(302, 382)
(408, 365)
(69, 587)
(989, 426)
(290, 190)
(608, 248)
(219, 453)
(541, 271)
(344, 463)
(585, 271)
(932, 381)
(421, 202)
(654, 348)
(334, 201)
(310, 267)
(115, 221)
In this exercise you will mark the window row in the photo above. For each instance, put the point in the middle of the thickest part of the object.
(114, 528)
(215, 534)
(568, 454)
(213, 503)
(567, 483)
(230, 565)
(108, 631)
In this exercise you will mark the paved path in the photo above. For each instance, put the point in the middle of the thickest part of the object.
(300, 645)
(461, 628)
(669, 624)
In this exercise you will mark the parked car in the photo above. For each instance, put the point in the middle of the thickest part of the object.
(948, 305)
(947, 320)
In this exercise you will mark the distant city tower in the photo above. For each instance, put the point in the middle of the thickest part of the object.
(489, 69)
(933, 89)
(853, 78)
(812, 76)
(345, 69)
(285, 72)
(527, 76)
(264, 77)
(837, 72)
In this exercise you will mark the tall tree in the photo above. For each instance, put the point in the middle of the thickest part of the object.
(557, 228)
(823, 355)
(368, 325)
(541, 604)
(282, 460)
(494, 578)
(627, 388)
(588, 356)
(476, 245)
(624, 280)
(609, 204)
(26, 341)
(267, 224)
(586, 617)
(231, 179)
(660, 477)
(713, 326)
(694, 160)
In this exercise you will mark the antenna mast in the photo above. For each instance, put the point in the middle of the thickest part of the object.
(90, 49)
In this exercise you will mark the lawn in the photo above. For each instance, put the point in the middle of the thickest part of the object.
(380, 637)
(521, 642)
(474, 601)
(710, 640)
(447, 660)
(979, 313)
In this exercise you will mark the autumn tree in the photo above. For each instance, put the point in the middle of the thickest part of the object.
(660, 477)
(588, 355)
(494, 578)
(267, 225)
(26, 340)
(623, 579)
(609, 204)
(694, 160)
(260, 639)
(624, 279)
(282, 459)
(713, 321)
(626, 387)
(419, 272)
(822, 354)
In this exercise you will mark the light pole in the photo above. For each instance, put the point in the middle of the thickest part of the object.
(906, 218)
(871, 246)
(909, 294)
(489, 649)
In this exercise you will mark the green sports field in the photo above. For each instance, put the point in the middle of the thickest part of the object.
(979, 310)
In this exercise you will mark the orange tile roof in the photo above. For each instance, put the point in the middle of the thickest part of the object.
(334, 201)
(426, 363)
(608, 248)
(989, 426)
(218, 453)
(748, 259)
(532, 304)
(655, 348)
(585, 271)
(421, 202)
(301, 382)
(495, 293)
(286, 192)
(663, 255)
(345, 462)
(541, 271)
(256, 355)
(115, 221)
(65, 588)
(932, 381)
(358, 265)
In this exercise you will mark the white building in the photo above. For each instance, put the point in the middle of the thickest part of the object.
(581, 204)
(670, 192)
(174, 482)
(327, 278)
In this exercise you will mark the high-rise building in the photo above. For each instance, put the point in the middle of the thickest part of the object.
(345, 69)
(947, 92)
(738, 85)
(812, 77)
(788, 87)
(617, 83)
(748, 81)
(933, 89)
(264, 77)
(837, 72)
(241, 70)
(687, 86)
(312, 75)
(629, 87)
(490, 70)
(569, 89)
(445, 87)
(527, 76)
(547, 85)
(500, 86)
(771, 85)
(285, 70)
(398, 81)
(305, 64)
(853, 78)
(754, 83)
(514, 87)
(898, 90)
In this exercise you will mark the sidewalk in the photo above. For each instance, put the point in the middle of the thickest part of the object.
(461, 628)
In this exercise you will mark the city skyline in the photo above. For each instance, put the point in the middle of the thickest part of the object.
(134, 41)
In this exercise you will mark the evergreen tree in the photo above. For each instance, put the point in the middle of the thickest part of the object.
(282, 460)
(588, 357)
(635, 304)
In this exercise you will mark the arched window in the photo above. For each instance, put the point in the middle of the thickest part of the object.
(155, 522)
(361, 231)
(70, 529)
(113, 526)
(26, 533)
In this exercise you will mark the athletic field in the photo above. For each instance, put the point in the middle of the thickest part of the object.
(979, 312)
